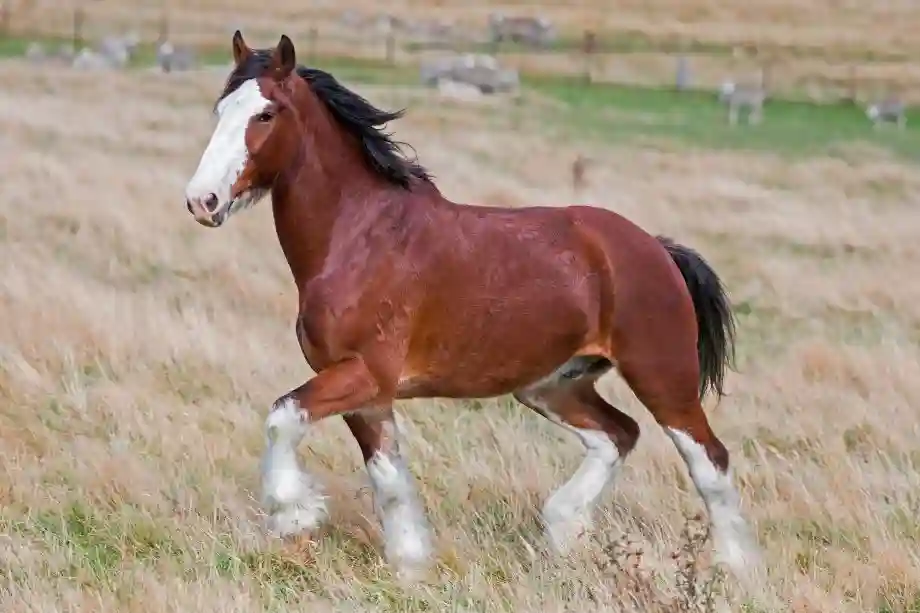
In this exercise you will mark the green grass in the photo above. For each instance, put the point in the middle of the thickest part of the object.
(617, 113)
(146, 55)
(15, 46)
(93, 545)
(610, 42)
(635, 41)
(374, 71)
(369, 71)
(627, 114)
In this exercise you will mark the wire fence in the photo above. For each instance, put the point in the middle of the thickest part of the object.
(626, 58)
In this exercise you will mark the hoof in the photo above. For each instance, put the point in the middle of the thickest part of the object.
(563, 533)
(739, 553)
(408, 574)
(410, 555)
(296, 520)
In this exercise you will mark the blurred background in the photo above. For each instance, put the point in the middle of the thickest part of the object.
(846, 56)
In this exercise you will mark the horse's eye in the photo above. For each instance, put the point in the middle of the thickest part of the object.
(265, 117)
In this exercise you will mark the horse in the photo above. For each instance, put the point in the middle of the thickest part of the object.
(404, 293)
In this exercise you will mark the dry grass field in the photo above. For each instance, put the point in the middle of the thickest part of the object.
(139, 353)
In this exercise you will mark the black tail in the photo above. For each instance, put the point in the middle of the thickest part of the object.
(716, 324)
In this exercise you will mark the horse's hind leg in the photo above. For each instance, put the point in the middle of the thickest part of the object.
(669, 390)
(568, 397)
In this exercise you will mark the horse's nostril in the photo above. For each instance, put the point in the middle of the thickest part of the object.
(205, 206)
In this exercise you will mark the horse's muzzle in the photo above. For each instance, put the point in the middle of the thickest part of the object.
(206, 210)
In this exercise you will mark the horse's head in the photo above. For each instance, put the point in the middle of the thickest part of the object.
(257, 131)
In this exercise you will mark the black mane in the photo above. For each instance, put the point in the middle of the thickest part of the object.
(358, 116)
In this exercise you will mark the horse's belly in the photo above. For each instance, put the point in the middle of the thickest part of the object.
(453, 386)
(490, 360)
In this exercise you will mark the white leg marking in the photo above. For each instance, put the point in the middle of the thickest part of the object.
(567, 513)
(735, 544)
(291, 496)
(226, 154)
(405, 529)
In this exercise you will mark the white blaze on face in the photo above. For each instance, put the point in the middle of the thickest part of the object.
(226, 155)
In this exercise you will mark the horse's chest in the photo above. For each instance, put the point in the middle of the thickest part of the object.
(331, 324)
(313, 343)
(321, 332)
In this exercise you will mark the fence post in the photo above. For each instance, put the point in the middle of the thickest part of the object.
(766, 74)
(852, 87)
(588, 48)
(312, 44)
(682, 76)
(163, 26)
(517, 100)
(496, 36)
(6, 16)
(391, 47)
(79, 19)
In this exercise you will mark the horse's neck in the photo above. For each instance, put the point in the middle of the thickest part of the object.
(309, 212)
(322, 194)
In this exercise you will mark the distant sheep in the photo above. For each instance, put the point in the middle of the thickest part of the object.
(742, 97)
(87, 59)
(119, 50)
(36, 52)
(173, 59)
(482, 71)
(889, 110)
(533, 31)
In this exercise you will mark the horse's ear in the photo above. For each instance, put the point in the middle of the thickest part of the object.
(240, 49)
(284, 59)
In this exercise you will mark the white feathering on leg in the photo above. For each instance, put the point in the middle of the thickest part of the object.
(405, 528)
(734, 541)
(292, 498)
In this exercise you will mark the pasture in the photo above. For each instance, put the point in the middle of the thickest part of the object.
(140, 352)
(823, 50)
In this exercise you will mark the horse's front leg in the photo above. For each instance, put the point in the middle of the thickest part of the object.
(407, 539)
(292, 498)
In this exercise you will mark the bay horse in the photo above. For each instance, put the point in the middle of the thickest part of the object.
(406, 294)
